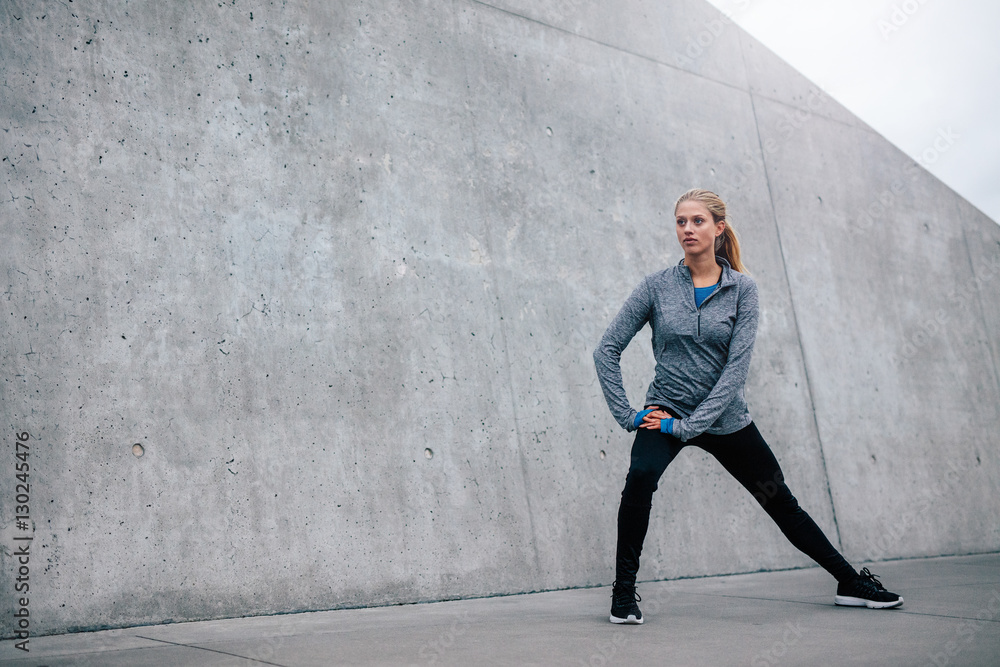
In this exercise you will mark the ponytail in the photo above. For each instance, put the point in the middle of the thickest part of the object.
(727, 246)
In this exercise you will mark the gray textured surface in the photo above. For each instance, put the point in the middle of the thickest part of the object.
(289, 253)
(950, 616)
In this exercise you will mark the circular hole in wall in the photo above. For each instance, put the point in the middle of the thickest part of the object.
(137, 450)
(603, 454)
(428, 453)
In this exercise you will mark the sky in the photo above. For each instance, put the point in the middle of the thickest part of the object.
(911, 69)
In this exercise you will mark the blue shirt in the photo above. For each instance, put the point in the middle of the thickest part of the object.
(701, 293)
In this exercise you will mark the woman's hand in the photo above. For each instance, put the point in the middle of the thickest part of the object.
(652, 420)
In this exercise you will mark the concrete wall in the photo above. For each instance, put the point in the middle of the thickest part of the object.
(339, 269)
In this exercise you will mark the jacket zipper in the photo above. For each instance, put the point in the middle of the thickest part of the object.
(698, 308)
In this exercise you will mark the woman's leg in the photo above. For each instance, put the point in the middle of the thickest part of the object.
(652, 452)
(746, 456)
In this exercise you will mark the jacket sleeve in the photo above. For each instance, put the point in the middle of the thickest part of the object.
(607, 357)
(734, 374)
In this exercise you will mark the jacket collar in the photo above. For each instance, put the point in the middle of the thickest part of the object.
(728, 275)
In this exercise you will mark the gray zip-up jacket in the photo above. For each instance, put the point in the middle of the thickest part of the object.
(702, 354)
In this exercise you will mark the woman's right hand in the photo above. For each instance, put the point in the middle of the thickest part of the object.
(652, 420)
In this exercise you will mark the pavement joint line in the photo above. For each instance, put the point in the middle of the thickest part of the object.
(931, 588)
(823, 604)
(202, 648)
(958, 618)
(757, 597)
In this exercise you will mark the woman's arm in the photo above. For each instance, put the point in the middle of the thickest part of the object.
(734, 374)
(607, 357)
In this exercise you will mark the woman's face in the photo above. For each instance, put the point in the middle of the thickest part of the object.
(696, 230)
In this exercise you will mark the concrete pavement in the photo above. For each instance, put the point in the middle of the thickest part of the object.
(951, 617)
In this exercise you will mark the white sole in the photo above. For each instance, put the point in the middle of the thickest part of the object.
(631, 620)
(847, 601)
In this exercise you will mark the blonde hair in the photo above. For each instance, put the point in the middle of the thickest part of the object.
(727, 245)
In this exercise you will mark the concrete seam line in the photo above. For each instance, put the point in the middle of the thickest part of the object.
(504, 342)
(653, 60)
(202, 648)
(791, 300)
(591, 39)
(979, 299)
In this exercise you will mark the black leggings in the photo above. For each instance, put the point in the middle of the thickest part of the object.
(746, 456)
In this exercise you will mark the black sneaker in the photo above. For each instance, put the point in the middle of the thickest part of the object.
(866, 591)
(623, 604)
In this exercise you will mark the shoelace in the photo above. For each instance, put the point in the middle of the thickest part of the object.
(625, 594)
(868, 579)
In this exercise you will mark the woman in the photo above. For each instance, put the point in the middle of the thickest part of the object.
(703, 314)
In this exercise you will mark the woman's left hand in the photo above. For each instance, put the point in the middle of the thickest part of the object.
(652, 420)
